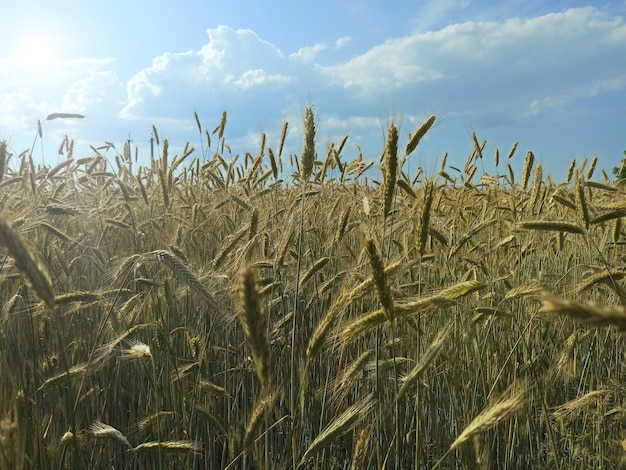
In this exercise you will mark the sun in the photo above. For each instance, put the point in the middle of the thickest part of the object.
(36, 52)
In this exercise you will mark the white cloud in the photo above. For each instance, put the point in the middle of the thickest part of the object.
(507, 73)
(232, 60)
(86, 94)
(20, 112)
(496, 74)
(511, 64)
(16, 73)
(539, 105)
(342, 42)
(28, 93)
(258, 77)
(308, 54)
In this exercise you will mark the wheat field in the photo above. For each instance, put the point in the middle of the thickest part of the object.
(273, 311)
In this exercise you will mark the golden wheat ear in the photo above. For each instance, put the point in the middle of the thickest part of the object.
(33, 272)
(253, 323)
(380, 280)
(419, 134)
(593, 315)
(391, 169)
(491, 416)
(338, 426)
(308, 151)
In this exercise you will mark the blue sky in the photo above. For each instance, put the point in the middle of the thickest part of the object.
(551, 75)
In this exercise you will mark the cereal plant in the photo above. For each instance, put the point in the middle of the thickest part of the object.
(265, 311)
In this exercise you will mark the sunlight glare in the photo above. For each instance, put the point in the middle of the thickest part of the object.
(36, 52)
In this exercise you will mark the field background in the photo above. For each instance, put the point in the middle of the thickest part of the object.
(275, 311)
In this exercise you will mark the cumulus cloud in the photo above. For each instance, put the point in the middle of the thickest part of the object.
(514, 67)
(525, 63)
(232, 61)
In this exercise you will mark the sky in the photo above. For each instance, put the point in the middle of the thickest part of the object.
(551, 75)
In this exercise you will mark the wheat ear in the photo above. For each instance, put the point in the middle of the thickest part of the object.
(528, 168)
(513, 149)
(104, 431)
(490, 417)
(590, 314)
(30, 269)
(425, 360)
(570, 170)
(308, 151)
(553, 225)
(169, 447)
(391, 169)
(582, 206)
(182, 271)
(283, 136)
(261, 409)
(360, 448)
(419, 134)
(252, 320)
(380, 279)
(321, 331)
(337, 427)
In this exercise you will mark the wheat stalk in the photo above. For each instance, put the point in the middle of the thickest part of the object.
(3, 157)
(343, 223)
(424, 218)
(221, 126)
